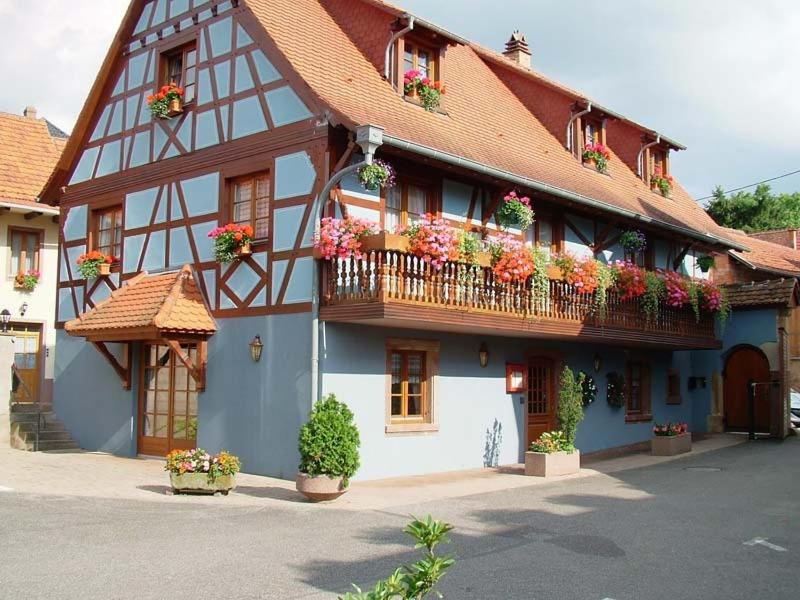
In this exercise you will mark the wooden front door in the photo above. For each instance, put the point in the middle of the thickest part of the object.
(743, 365)
(27, 360)
(167, 401)
(541, 397)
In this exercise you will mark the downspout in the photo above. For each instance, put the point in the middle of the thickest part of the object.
(571, 122)
(387, 67)
(639, 158)
(369, 137)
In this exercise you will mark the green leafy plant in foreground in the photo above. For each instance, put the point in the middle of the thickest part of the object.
(415, 581)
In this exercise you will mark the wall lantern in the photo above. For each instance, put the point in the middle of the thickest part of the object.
(597, 363)
(23, 309)
(483, 355)
(256, 347)
(5, 319)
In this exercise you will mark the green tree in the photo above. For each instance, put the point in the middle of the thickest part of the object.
(759, 210)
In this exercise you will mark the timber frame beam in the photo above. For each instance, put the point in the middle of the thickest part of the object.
(123, 370)
(197, 371)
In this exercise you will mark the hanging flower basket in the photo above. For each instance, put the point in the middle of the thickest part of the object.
(597, 156)
(27, 280)
(633, 241)
(705, 263)
(661, 183)
(167, 102)
(231, 242)
(515, 211)
(94, 263)
(429, 93)
(378, 175)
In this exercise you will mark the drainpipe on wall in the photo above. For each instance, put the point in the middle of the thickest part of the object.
(639, 165)
(387, 67)
(370, 138)
(571, 122)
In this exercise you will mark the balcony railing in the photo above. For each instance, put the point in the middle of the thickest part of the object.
(398, 278)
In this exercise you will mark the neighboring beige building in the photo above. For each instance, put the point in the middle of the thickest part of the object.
(29, 149)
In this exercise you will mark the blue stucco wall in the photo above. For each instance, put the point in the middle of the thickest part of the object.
(472, 403)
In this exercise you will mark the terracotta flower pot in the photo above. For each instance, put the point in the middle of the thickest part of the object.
(590, 162)
(539, 464)
(320, 488)
(670, 445)
(198, 483)
(175, 107)
(104, 268)
(244, 249)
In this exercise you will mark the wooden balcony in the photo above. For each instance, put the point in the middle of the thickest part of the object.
(396, 289)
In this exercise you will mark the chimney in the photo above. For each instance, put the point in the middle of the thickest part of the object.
(29, 112)
(517, 50)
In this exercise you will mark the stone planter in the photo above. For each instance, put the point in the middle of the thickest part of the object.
(384, 241)
(670, 445)
(539, 464)
(198, 483)
(320, 488)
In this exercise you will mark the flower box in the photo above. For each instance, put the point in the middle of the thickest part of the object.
(198, 483)
(385, 241)
(539, 464)
(175, 107)
(671, 445)
(554, 272)
(244, 249)
(483, 259)
(320, 488)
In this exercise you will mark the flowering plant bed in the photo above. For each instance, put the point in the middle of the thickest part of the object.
(198, 471)
(167, 102)
(342, 238)
(94, 263)
(552, 455)
(516, 211)
(27, 280)
(713, 299)
(597, 155)
(231, 241)
(511, 261)
(432, 240)
(378, 175)
(660, 182)
(670, 429)
(429, 92)
(579, 272)
(633, 241)
(671, 439)
(678, 289)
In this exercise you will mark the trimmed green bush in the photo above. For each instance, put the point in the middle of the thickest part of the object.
(570, 404)
(329, 441)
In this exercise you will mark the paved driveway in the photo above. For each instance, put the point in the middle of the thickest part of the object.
(676, 529)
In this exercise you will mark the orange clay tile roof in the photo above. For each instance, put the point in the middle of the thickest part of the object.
(485, 121)
(28, 153)
(165, 304)
(766, 256)
(780, 292)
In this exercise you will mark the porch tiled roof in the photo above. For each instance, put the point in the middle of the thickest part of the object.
(165, 304)
(776, 292)
(485, 121)
(765, 255)
(28, 153)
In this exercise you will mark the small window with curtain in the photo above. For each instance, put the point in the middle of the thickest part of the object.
(592, 132)
(107, 232)
(250, 200)
(411, 370)
(420, 58)
(25, 245)
(180, 68)
(406, 202)
(638, 403)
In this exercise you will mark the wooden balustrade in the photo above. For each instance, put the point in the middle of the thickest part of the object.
(390, 276)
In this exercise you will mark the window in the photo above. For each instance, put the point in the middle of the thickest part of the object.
(25, 245)
(180, 69)
(673, 387)
(546, 234)
(418, 58)
(658, 162)
(250, 203)
(592, 132)
(411, 369)
(638, 392)
(406, 202)
(108, 231)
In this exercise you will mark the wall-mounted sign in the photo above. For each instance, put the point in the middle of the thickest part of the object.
(516, 378)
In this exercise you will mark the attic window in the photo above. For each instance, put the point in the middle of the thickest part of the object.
(179, 67)
(657, 173)
(421, 59)
(420, 73)
(593, 131)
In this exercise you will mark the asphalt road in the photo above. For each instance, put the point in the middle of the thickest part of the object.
(679, 530)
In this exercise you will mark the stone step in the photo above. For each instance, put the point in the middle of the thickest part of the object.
(24, 407)
(31, 417)
(45, 445)
(54, 436)
(30, 426)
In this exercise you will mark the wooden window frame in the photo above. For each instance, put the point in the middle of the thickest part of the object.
(598, 124)
(557, 226)
(434, 60)
(232, 182)
(645, 410)
(25, 232)
(674, 386)
(403, 182)
(652, 153)
(94, 231)
(429, 422)
(164, 75)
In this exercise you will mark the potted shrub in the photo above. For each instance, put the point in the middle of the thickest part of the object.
(597, 156)
(512, 261)
(197, 471)
(433, 240)
(671, 439)
(378, 175)
(661, 183)
(167, 102)
(231, 241)
(554, 452)
(342, 238)
(705, 262)
(515, 211)
(94, 263)
(27, 280)
(329, 444)
(429, 93)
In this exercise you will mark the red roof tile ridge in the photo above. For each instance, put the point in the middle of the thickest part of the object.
(161, 319)
(77, 321)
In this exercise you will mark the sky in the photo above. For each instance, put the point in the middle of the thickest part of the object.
(719, 76)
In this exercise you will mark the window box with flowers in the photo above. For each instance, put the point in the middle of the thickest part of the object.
(94, 264)
(432, 240)
(629, 280)
(343, 238)
(27, 280)
(714, 300)
(659, 182)
(671, 439)
(515, 211)
(198, 472)
(512, 261)
(597, 156)
(420, 88)
(231, 241)
(167, 102)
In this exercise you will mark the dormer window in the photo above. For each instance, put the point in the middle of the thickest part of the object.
(593, 131)
(421, 59)
(658, 171)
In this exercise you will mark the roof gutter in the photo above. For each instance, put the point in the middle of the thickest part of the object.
(472, 165)
(45, 209)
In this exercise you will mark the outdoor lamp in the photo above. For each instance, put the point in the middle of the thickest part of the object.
(256, 347)
(5, 318)
(23, 309)
(598, 363)
(483, 355)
